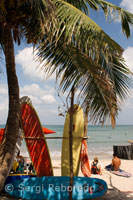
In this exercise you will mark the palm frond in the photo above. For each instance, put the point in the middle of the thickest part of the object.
(80, 4)
(86, 58)
(99, 83)
(113, 11)
(41, 16)
(81, 31)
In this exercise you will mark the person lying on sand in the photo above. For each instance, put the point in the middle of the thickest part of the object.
(116, 162)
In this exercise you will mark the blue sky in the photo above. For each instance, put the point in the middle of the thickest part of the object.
(43, 92)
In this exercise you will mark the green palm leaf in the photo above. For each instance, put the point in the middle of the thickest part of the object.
(98, 83)
(80, 30)
(85, 57)
(80, 4)
(114, 11)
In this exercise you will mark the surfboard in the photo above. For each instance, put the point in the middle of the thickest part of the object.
(120, 172)
(15, 177)
(38, 149)
(56, 188)
(78, 131)
(85, 165)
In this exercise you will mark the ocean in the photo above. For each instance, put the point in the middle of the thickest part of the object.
(100, 141)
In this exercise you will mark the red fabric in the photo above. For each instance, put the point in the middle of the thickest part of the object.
(47, 131)
(1, 134)
(85, 166)
(37, 147)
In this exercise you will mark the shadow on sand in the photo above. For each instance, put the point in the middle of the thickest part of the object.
(114, 194)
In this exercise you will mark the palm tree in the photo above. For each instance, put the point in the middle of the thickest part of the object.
(19, 20)
(89, 60)
(32, 20)
(83, 45)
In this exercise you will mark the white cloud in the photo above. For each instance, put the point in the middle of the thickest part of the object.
(3, 103)
(3, 106)
(44, 102)
(128, 56)
(3, 89)
(127, 104)
(37, 94)
(127, 5)
(48, 99)
(42, 99)
(32, 89)
(30, 66)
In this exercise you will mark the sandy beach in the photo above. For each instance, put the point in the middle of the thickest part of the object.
(119, 188)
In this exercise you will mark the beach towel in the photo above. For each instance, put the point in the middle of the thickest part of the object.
(85, 166)
(120, 172)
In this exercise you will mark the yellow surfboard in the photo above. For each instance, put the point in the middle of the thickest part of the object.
(78, 132)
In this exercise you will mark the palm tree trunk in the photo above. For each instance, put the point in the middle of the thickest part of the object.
(12, 125)
(71, 143)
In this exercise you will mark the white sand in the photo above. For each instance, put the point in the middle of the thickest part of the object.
(119, 188)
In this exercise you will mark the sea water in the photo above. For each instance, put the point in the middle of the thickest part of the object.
(100, 142)
(100, 139)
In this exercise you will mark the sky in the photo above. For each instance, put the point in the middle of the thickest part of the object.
(43, 91)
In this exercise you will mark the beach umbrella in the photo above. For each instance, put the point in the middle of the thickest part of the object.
(1, 134)
(45, 130)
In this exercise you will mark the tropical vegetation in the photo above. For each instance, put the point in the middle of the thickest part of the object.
(19, 20)
(74, 45)
(90, 61)
(84, 46)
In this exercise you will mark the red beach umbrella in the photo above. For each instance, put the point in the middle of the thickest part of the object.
(1, 134)
(47, 131)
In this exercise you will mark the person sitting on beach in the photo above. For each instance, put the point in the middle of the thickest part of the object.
(14, 167)
(31, 169)
(96, 167)
(20, 169)
(116, 162)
